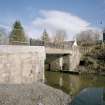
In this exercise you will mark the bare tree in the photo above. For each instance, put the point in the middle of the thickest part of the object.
(88, 37)
(96, 35)
(3, 36)
(60, 36)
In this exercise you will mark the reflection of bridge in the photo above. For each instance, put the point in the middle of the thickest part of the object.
(62, 56)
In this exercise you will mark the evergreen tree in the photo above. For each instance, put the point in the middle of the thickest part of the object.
(45, 37)
(17, 34)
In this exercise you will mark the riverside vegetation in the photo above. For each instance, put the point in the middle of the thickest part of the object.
(94, 61)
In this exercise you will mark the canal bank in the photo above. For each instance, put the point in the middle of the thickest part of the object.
(32, 94)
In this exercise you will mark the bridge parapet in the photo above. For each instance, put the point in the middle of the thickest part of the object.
(58, 51)
(57, 45)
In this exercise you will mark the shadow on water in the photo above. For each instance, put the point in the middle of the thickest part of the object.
(73, 84)
(90, 96)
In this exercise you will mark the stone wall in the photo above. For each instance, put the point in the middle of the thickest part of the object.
(21, 64)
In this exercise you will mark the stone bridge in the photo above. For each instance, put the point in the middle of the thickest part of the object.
(62, 59)
(60, 56)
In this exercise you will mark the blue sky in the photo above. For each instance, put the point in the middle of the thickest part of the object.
(36, 15)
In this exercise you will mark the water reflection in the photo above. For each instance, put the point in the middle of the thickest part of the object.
(89, 96)
(60, 81)
(73, 84)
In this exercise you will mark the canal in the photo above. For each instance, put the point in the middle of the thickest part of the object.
(73, 84)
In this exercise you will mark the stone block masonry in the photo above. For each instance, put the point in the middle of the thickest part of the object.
(21, 64)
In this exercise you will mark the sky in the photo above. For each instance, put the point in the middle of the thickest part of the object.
(72, 16)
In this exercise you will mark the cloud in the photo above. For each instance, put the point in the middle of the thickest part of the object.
(54, 20)
(4, 26)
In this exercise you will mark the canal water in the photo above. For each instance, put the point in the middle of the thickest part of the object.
(73, 84)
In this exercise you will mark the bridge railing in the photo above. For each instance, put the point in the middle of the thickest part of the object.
(50, 44)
